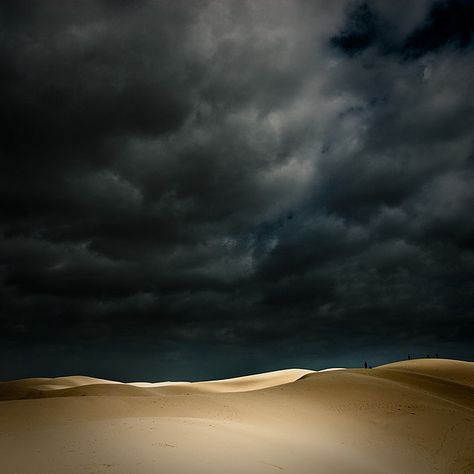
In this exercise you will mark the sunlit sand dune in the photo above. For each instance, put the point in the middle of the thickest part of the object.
(408, 417)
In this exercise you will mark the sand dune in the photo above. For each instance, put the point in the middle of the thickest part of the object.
(409, 417)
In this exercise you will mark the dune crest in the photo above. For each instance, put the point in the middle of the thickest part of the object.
(78, 385)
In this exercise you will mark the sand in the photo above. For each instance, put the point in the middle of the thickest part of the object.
(409, 417)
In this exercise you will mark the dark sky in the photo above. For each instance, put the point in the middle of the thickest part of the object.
(199, 189)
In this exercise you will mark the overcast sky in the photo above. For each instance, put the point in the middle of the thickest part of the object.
(199, 189)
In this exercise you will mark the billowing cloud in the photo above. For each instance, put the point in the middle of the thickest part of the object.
(197, 189)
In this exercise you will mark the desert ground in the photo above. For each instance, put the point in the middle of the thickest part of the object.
(407, 417)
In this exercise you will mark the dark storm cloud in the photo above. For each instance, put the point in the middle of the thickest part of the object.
(362, 30)
(190, 188)
(447, 23)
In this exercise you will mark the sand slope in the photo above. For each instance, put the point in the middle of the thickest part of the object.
(408, 417)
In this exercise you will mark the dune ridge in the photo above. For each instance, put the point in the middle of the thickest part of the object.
(78, 385)
(412, 416)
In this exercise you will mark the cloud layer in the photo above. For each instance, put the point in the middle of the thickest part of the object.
(196, 189)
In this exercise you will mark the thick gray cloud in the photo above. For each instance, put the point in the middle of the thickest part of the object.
(198, 189)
